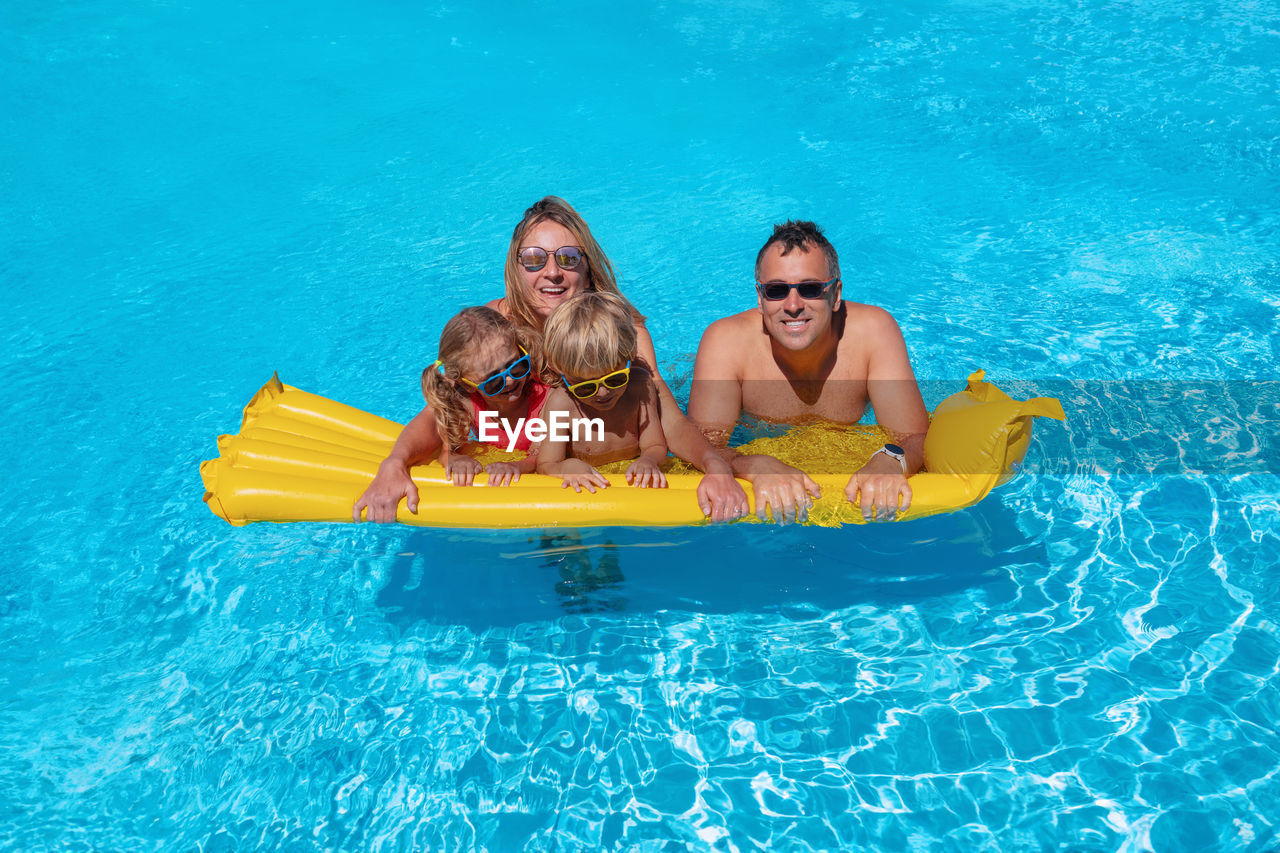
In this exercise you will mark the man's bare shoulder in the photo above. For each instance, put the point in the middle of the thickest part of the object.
(728, 343)
(870, 323)
(733, 331)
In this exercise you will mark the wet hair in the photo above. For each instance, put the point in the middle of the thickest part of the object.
(590, 335)
(803, 235)
(599, 271)
(469, 332)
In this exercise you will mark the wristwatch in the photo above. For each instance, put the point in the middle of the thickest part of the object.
(896, 452)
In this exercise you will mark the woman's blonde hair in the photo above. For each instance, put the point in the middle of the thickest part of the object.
(464, 336)
(599, 272)
(591, 334)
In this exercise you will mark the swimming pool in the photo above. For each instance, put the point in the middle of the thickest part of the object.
(1079, 198)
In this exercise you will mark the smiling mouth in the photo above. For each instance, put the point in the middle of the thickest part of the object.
(552, 291)
(795, 324)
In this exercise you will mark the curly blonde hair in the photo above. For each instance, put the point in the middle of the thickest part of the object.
(591, 334)
(470, 330)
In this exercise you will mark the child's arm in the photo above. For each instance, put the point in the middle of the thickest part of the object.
(419, 442)
(551, 457)
(646, 471)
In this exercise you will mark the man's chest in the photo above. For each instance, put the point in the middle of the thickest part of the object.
(780, 399)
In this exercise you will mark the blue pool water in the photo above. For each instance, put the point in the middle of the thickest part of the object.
(1080, 197)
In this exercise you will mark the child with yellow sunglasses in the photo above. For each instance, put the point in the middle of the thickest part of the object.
(589, 344)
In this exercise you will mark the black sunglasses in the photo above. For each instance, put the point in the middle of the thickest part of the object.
(776, 291)
(534, 258)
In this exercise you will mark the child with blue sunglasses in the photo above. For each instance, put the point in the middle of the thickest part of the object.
(487, 369)
(589, 343)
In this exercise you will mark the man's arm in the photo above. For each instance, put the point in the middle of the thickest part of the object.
(880, 486)
(893, 390)
(715, 399)
(715, 404)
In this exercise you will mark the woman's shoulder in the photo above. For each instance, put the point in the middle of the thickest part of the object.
(499, 305)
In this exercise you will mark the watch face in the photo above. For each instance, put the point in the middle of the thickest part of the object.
(893, 448)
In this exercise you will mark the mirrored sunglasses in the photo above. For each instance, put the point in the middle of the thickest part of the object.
(534, 258)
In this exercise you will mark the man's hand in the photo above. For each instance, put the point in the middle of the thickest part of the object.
(383, 495)
(880, 488)
(786, 492)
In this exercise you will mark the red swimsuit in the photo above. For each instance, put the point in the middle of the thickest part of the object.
(537, 398)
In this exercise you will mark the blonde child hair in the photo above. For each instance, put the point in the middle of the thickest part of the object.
(591, 334)
(465, 336)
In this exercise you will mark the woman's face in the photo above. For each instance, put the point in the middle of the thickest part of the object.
(550, 286)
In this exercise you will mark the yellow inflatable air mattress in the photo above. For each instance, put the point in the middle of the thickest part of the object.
(302, 457)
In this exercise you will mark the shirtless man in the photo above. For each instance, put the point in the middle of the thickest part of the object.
(804, 354)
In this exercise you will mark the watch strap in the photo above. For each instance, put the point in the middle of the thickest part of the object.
(893, 452)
